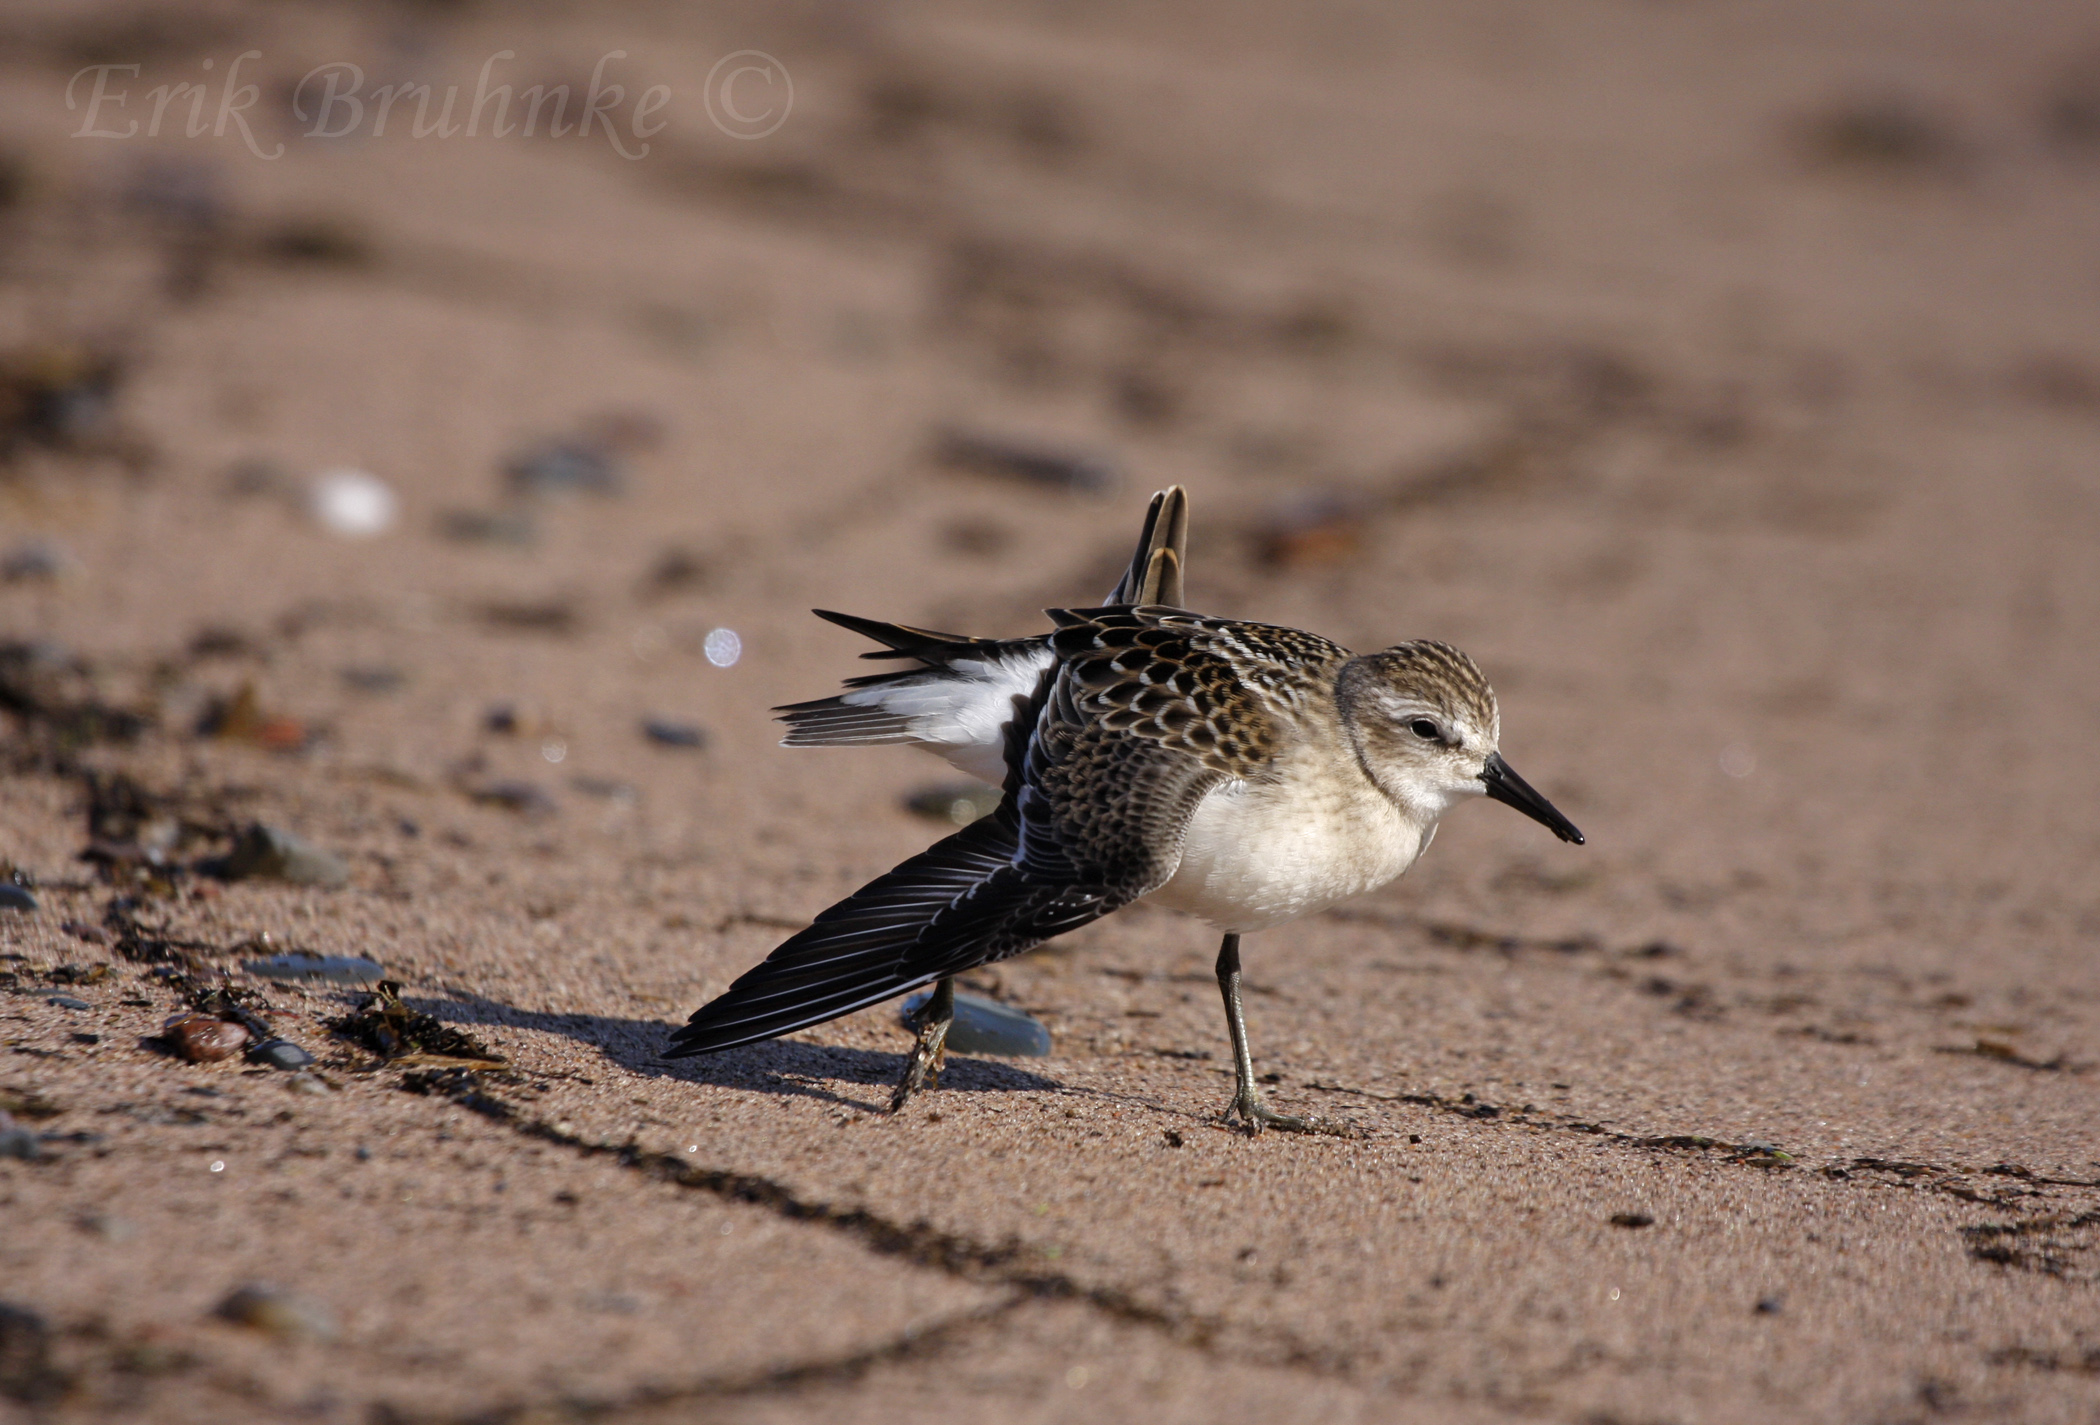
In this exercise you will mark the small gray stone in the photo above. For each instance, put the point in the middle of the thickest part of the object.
(280, 1054)
(13, 897)
(67, 1002)
(276, 853)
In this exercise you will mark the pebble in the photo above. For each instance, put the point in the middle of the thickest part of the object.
(277, 1312)
(202, 1039)
(80, 930)
(299, 965)
(354, 503)
(281, 1054)
(673, 734)
(67, 1002)
(17, 1141)
(984, 1026)
(13, 897)
(276, 853)
(957, 802)
(307, 1083)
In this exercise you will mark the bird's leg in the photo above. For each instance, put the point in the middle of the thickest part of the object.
(1246, 1098)
(923, 1068)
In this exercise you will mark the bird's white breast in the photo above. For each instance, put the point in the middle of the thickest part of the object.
(1260, 853)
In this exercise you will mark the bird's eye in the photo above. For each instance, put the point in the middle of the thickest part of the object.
(1428, 731)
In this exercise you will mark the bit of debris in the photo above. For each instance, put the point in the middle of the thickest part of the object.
(1632, 1219)
(408, 1037)
(13, 897)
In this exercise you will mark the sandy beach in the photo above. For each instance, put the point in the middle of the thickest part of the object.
(403, 540)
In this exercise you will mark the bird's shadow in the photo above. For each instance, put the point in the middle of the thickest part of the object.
(776, 1066)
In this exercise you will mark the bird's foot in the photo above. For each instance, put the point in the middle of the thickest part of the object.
(923, 1069)
(1257, 1115)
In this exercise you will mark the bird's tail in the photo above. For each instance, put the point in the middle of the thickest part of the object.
(1154, 576)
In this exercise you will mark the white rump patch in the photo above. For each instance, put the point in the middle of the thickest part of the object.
(962, 711)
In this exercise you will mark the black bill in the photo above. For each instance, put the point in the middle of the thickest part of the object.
(1505, 786)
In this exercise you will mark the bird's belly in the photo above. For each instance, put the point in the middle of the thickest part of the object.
(1257, 856)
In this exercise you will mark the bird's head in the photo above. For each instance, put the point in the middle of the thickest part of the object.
(1426, 727)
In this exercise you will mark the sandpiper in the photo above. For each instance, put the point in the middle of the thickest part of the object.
(1244, 773)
